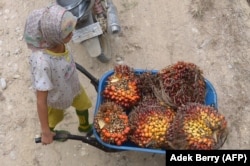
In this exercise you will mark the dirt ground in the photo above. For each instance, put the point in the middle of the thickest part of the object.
(213, 34)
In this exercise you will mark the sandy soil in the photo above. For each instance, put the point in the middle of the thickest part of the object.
(214, 35)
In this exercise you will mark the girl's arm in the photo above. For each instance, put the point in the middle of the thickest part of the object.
(42, 109)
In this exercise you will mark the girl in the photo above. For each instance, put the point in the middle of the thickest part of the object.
(53, 70)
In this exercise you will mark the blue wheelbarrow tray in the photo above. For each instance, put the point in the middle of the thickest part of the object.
(210, 99)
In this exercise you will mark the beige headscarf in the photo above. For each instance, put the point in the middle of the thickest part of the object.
(47, 27)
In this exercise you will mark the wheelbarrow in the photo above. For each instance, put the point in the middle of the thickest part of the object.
(99, 85)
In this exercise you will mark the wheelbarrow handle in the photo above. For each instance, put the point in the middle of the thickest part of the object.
(93, 80)
(86, 139)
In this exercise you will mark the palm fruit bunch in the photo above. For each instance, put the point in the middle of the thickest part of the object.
(182, 82)
(197, 127)
(121, 87)
(149, 122)
(146, 81)
(112, 124)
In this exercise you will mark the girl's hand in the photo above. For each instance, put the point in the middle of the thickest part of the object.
(42, 109)
(47, 137)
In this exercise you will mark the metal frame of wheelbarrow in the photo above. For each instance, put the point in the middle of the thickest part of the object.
(86, 139)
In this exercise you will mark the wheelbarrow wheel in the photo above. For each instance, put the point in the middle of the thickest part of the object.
(105, 55)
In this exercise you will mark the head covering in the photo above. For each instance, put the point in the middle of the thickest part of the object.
(32, 34)
(48, 27)
(67, 24)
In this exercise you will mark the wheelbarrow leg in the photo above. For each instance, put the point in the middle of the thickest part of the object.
(93, 80)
